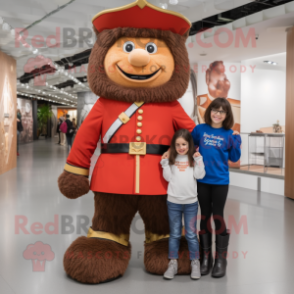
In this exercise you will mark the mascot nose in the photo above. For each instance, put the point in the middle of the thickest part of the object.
(139, 57)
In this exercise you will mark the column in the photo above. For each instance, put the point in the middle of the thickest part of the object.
(289, 132)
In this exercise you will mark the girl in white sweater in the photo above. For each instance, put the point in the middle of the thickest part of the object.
(180, 171)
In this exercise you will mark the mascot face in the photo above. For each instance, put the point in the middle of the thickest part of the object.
(133, 65)
(139, 62)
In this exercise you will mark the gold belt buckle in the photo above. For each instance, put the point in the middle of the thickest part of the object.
(137, 148)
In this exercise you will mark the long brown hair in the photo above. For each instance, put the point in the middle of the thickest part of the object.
(226, 106)
(183, 133)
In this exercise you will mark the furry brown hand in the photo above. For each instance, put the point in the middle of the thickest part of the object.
(73, 186)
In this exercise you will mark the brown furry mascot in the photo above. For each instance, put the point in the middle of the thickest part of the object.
(139, 67)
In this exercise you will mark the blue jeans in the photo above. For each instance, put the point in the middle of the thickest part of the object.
(175, 212)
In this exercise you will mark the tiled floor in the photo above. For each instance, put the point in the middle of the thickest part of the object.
(260, 254)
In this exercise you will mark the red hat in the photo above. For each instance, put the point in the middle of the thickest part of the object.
(141, 14)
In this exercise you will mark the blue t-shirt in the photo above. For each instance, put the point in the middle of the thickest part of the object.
(217, 146)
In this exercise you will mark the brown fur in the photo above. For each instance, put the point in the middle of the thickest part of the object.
(156, 257)
(153, 210)
(73, 186)
(114, 212)
(174, 89)
(91, 260)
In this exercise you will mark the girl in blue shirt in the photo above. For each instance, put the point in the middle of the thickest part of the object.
(218, 144)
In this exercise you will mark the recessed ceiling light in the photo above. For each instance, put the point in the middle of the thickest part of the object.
(270, 62)
(163, 5)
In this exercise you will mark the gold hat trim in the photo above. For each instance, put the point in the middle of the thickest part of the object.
(141, 4)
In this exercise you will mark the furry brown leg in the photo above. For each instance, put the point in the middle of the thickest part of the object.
(93, 260)
(90, 260)
(153, 210)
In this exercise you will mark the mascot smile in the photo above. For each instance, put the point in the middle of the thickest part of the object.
(138, 67)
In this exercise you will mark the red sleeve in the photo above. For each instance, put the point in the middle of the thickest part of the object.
(181, 119)
(86, 140)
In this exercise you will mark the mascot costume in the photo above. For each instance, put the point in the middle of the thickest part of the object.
(139, 67)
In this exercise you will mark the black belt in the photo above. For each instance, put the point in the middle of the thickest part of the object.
(124, 148)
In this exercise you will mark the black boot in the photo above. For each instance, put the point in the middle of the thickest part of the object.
(206, 256)
(221, 248)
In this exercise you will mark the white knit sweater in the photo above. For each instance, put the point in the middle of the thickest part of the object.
(181, 178)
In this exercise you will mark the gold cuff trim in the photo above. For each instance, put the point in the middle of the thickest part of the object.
(122, 239)
(150, 237)
(76, 170)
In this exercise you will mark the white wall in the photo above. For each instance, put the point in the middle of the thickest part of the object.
(262, 96)
(250, 181)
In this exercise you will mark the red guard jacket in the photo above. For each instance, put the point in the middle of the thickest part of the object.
(116, 173)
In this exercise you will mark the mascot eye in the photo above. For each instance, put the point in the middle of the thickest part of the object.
(151, 48)
(129, 46)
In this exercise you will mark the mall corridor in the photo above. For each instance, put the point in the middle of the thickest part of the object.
(260, 253)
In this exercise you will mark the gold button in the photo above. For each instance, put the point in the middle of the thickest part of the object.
(140, 117)
(138, 138)
(139, 131)
(139, 124)
(140, 111)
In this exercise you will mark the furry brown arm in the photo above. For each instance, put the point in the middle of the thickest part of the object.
(73, 186)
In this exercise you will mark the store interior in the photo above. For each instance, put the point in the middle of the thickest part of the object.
(246, 43)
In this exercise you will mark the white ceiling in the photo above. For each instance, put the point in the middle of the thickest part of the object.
(269, 27)
(78, 14)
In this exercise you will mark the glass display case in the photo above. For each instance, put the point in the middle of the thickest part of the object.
(266, 150)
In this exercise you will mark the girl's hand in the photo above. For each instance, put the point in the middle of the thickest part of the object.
(165, 155)
(196, 154)
(236, 133)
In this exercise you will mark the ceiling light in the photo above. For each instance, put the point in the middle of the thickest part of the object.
(270, 62)
(6, 27)
(163, 5)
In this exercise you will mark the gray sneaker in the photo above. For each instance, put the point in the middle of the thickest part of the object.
(195, 269)
(172, 269)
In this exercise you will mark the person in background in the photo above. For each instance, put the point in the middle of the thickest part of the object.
(70, 131)
(57, 129)
(74, 125)
(19, 128)
(62, 135)
(181, 170)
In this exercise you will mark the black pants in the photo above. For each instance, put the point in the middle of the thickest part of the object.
(69, 140)
(212, 200)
